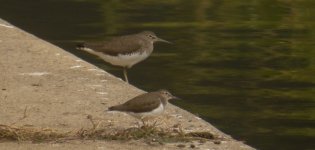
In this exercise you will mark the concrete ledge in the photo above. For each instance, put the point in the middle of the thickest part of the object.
(59, 90)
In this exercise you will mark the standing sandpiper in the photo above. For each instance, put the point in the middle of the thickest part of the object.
(146, 105)
(124, 51)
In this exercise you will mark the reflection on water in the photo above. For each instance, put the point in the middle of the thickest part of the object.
(245, 66)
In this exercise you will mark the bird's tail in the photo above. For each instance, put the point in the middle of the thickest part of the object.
(113, 108)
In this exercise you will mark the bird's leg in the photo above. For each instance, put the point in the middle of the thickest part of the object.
(143, 122)
(154, 124)
(125, 74)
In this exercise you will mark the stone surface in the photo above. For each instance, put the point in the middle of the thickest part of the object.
(58, 90)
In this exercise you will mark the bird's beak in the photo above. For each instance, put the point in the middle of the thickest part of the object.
(161, 40)
(174, 97)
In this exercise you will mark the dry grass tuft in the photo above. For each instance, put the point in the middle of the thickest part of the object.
(29, 134)
(148, 133)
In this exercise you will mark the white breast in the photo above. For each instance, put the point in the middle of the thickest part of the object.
(120, 60)
(155, 112)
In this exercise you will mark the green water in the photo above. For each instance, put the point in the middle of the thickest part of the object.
(248, 67)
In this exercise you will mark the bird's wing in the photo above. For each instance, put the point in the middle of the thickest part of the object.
(142, 103)
(118, 45)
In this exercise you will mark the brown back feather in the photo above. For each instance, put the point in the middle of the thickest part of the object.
(119, 45)
(142, 103)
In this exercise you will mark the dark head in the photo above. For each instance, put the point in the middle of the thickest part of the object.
(167, 95)
(80, 46)
(149, 35)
